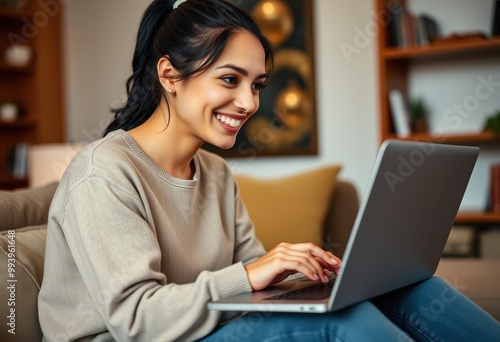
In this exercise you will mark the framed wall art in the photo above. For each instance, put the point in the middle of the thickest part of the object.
(285, 123)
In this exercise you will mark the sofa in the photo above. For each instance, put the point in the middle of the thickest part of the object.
(23, 217)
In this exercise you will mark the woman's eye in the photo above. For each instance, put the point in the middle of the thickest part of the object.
(230, 79)
(258, 86)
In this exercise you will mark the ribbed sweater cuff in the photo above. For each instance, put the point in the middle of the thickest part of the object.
(231, 281)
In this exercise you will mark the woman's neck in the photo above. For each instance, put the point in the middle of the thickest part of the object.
(168, 147)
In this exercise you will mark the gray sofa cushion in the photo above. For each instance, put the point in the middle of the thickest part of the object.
(26, 247)
(21, 272)
(25, 207)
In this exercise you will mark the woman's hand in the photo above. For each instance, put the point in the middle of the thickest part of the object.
(287, 259)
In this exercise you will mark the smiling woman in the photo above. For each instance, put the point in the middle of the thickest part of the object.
(146, 228)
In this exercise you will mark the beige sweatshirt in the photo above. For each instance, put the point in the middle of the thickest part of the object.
(134, 254)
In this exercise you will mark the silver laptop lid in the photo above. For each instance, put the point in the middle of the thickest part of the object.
(404, 221)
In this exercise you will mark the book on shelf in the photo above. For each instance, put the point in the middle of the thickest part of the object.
(408, 30)
(18, 161)
(399, 113)
(495, 188)
(430, 28)
(495, 31)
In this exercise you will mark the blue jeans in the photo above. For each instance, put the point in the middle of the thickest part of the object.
(430, 310)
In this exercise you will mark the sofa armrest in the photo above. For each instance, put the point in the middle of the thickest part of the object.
(340, 218)
(25, 207)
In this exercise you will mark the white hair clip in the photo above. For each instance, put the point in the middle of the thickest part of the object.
(177, 3)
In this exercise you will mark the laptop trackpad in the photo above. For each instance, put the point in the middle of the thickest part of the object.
(315, 291)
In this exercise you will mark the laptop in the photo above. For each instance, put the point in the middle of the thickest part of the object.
(399, 234)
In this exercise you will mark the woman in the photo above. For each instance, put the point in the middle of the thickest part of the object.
(146, 227)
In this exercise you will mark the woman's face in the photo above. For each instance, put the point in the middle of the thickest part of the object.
(214, 105)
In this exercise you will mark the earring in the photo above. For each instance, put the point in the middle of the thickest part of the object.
(170, 90)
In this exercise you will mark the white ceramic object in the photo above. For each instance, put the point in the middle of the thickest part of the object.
(18, 55)
(8, 111)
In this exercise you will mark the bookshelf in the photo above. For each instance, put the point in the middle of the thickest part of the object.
(394, 64)
(36, 88)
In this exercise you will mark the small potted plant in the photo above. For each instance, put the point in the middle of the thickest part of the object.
(418, 115)
(492, 124)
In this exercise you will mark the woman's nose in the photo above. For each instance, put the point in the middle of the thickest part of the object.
(247, 101)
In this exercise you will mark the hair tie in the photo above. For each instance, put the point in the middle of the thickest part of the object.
(177, 3)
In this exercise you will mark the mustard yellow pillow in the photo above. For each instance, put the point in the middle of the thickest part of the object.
(289, 209)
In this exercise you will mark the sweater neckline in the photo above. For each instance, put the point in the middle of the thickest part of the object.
(135, 148)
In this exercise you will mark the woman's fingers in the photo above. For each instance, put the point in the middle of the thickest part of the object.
(324, 260)
(333, 262)
(328, 257)
(286, 259)
(328, 267)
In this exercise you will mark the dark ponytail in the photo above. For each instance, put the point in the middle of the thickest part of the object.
(143, 83)
(197, 30)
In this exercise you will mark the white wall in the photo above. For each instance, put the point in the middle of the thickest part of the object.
(99, 42)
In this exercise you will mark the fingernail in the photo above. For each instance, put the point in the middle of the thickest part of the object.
(335, 262)
(315, 276)
(325, 278)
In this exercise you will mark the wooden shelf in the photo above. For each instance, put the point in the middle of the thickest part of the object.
(441, 49)
(20, 123)
(452, 138)
(477, 218)
(4, 67)
(13, 13)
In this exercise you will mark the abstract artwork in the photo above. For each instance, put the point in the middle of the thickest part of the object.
(285, 123)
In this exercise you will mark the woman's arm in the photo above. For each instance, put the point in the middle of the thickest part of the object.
(264, 269)
(118, 257)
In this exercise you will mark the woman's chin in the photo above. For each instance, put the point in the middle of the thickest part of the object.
(224, 144)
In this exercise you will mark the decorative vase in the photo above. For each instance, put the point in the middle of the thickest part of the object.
(18, 55)
(8, 111)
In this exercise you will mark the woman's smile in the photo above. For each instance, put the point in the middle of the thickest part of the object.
(229, 121)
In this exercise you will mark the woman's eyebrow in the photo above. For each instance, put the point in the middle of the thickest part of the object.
(240, 70)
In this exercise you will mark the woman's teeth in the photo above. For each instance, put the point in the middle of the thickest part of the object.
(228, 121)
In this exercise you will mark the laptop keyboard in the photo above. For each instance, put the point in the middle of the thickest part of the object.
(313, 291)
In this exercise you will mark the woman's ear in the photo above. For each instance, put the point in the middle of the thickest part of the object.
(167, 74)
